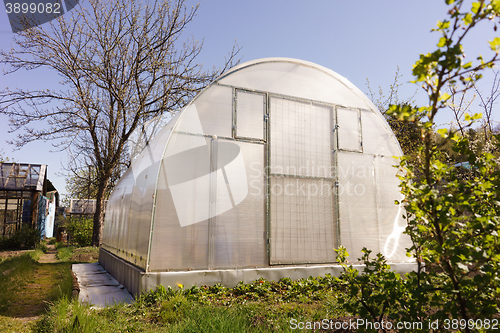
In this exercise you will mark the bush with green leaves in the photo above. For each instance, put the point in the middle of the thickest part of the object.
(80, 230)
(24, 238)
(453, 221)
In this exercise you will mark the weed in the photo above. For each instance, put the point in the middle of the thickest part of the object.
(260, 306)
(24, 238)
(36, 254)
(65, 253)
(218, 319)
(42, 246)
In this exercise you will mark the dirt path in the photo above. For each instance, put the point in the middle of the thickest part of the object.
(50, 256)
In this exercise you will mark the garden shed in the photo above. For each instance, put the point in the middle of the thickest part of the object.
(27, 199)
(268, 170)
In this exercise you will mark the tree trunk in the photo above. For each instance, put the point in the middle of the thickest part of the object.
(99, 214)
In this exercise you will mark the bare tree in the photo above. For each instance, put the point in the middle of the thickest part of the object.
(383, 100)
(407, 133)
(122, 63)
(487, 104)
(459, 103)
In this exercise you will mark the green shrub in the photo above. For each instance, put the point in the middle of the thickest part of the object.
(42, 247)
(24, 238)
(453, 221)
(80, 230)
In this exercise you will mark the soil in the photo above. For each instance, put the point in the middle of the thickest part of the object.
(49, 256)
(85, 255)
(10, 254)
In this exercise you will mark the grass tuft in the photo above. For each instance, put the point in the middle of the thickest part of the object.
(65, 253)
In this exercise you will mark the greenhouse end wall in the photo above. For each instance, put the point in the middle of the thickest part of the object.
(276, 163)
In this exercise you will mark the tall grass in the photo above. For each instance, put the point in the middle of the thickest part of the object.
(15, 272)
(19, 274)
(215, 320)
(71, 316)
(261, 306)
(64, 253)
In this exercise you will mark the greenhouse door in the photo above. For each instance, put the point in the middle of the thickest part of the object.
(303, 223)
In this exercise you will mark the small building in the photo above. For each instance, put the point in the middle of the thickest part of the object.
(267, 171)
(27, 198)
(83, 206)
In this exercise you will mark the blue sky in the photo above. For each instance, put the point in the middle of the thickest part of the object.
(357, 39)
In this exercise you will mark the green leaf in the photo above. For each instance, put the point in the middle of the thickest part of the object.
(495, 44)
(443, 25)
(475, 7)
(477, 116)
(442, 42)
(495, 5)
(467, 19)
(443, 132)
(444, 97)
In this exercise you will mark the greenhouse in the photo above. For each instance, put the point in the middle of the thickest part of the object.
(269, 169)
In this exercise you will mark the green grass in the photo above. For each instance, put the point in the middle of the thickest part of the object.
(67, 316)
(218, 319)
(15, 325)
(27, 285)
(16, 272)
(28, 288)
(75, 254)
(64, 253)
(260, 306)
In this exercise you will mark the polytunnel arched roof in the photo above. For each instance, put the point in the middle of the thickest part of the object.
(314, 82)
(303, 79)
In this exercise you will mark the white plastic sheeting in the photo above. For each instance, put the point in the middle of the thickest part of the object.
(277, 162)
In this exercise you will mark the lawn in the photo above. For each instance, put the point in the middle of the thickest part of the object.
(35, 297)
(29, 287)
(261, 306)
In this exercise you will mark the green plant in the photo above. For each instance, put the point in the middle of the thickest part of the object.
(42, 246)
(375, 293)
(453, 221)
(217, 319)
(171, 309)
(80, 230)
(23, 238)
(64, 253)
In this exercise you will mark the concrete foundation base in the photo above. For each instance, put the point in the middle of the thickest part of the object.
(137, 281)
